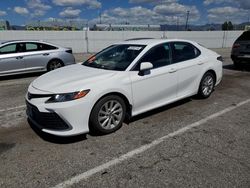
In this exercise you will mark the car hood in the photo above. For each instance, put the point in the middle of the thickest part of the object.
(70, 79)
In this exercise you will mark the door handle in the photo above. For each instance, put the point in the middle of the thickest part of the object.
(19, 57)
(172, 70)
(200, 63)
(46, 54)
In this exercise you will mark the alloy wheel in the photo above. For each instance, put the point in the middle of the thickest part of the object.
(110, 114)
(207, 85)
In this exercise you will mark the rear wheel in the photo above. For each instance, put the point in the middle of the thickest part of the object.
(206, 85)
(237, 64)
(54, 64)
(108, 115)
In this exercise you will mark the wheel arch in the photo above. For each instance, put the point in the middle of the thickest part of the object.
(214, 74)
(125, 99)
(201, 76)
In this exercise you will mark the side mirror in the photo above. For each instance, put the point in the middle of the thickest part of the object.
(145, 68)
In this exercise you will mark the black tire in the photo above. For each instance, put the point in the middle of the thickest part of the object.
(97, 117)
(54, 64)
(237, 64)
(206, 85)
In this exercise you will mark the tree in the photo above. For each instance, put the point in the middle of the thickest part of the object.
(227, 26)
(230, 25)
(224, 26)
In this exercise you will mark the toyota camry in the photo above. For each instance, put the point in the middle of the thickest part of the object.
(123, 80)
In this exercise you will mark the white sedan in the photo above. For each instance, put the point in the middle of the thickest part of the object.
(123, 80)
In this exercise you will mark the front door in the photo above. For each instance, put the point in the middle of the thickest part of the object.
(159, 86)
(11, 58)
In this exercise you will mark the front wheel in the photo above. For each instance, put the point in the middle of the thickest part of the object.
(107, 115)
(206, 85)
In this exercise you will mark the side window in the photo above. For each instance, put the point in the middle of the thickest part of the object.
(46, 47)
(31, 47)
(183, 51)
(159, 56)
(11, 48)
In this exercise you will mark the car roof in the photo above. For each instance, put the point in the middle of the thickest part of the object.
(14, 41)
(152, 41)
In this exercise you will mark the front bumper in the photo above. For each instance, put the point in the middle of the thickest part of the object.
(46, 120)
(60, 119)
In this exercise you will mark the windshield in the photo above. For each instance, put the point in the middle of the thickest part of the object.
(116, 57)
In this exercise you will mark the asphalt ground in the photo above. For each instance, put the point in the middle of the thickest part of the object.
(191, 143)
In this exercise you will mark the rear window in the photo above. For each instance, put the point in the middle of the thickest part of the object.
(46, 47)
(31, 47)
(244, 36)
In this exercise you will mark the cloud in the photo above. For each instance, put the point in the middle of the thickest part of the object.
(37, 4)
(70, 13)
(152, 1)
(38, 8)
(244, 4)
(38, 13)
(3, 13)
(134, 15)
(176, 9)
(208, 2)
(141, 15)
(21, 10)
(92, 4)
(227, 13)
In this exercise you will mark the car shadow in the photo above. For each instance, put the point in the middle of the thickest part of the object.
(56, 139)
(147, 114)
(242, 68)
(20, 76)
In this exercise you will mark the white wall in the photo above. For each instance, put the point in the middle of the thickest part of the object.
(93, 41)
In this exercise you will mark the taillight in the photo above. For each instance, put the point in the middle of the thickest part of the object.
(220, 58)
(69, 51)
(236, 45)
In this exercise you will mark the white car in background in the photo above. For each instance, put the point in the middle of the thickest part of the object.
(25, 56)
(125, 79)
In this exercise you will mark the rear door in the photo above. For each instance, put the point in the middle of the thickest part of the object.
(190, 62)
(12, 58)
(37, 55)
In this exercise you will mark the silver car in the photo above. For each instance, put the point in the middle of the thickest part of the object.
(18, 57)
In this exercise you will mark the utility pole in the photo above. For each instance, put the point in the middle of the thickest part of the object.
(100, 16)
(177, 23)
(186, 28)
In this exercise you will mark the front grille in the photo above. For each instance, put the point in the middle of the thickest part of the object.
(33, 96)
(45, 120)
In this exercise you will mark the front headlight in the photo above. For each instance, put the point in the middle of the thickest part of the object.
(67, 96)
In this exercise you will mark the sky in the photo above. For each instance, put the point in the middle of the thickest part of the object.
(21, 12)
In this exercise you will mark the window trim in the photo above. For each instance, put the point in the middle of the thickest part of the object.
(150, 50)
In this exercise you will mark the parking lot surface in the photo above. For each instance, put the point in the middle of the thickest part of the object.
(191, 143)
